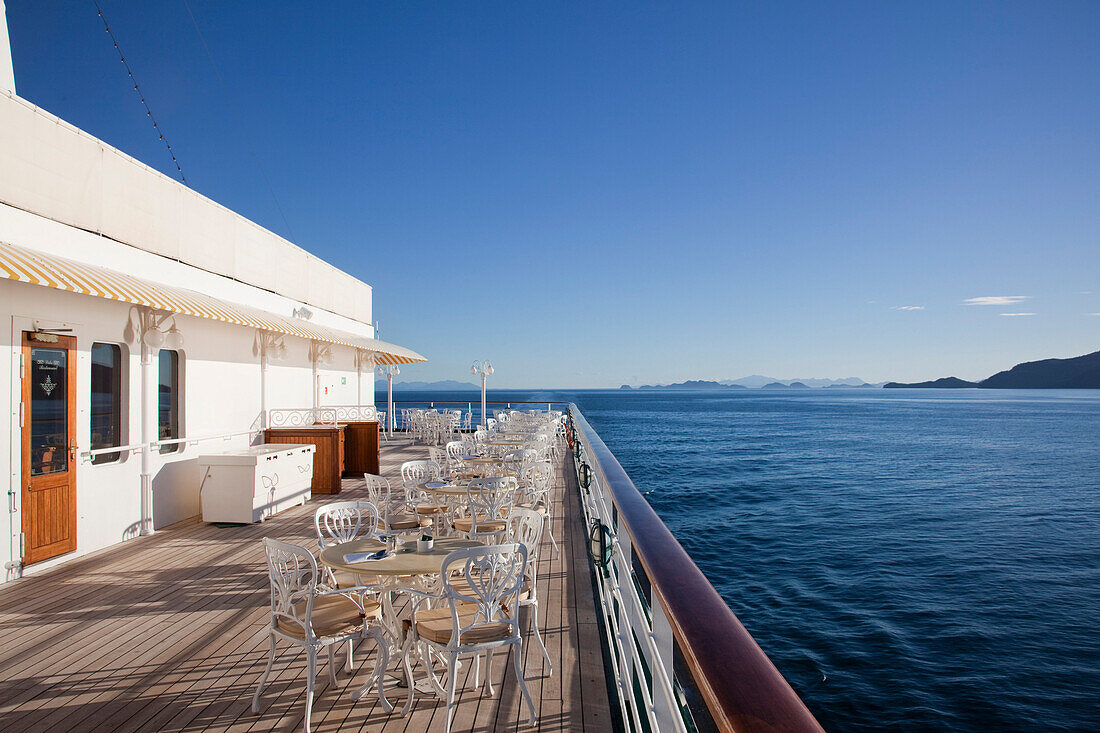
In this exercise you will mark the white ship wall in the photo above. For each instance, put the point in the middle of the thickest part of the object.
(220, 379)
(220, 374)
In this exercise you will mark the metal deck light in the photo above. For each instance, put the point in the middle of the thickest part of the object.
(484, 368)
(389, 372)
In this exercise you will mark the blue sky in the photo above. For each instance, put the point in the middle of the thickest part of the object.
(592, 193)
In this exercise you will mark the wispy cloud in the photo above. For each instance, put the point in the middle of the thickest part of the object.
(1017, 314)
(1092, 314)
(907, 308)
(996, 300)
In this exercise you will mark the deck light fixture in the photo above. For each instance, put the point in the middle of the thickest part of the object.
(484, 368)
(389, 372)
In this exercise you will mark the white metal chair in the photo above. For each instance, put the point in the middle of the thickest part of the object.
(306, 613)
(420, 502)
(479, 616)
(393, 515)
(525, 527)
(457, 450)
(535, 483)
(489, 503)
(516, 461)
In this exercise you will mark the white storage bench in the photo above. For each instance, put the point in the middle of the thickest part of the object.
(250, 484)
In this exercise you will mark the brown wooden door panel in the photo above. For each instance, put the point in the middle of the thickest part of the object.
(48, 446)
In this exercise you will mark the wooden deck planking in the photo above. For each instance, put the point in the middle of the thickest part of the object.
(168, 633)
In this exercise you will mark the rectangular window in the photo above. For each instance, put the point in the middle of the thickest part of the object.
(106, 414)
(168, 399)
(49, 406)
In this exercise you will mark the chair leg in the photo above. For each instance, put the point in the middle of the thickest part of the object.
(311, 672)
(517, 652)
(554, 542)
(538, 637)
(266, 674)
(349, 664)
(452, 660)
(332, 664)
(477, 670)
(489, 671)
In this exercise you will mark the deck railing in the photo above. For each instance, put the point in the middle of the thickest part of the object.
(681, 659)
(468, 406)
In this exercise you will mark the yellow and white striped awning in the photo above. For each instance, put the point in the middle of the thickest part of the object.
(60, 273)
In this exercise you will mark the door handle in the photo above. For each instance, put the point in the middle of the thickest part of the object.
(73, 448)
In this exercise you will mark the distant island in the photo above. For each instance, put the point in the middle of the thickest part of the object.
(690, 384)
(757, 382)
(1080, 372)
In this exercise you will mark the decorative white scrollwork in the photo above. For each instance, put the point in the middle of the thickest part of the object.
(327, 415)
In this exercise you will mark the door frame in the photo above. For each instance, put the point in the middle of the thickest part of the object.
(68, 344)
(19, 324)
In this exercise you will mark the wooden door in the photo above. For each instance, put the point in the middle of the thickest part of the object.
(49, 445)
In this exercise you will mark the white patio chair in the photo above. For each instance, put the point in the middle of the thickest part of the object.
(489, 503)
(479, 618)
(525, 527)
(393, 515)
(456, 451)
(516, 461)
(306, 613)
(420, 502)
(535, 484)
(344, 521)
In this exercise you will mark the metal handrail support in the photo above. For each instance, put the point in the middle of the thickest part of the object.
(741, 688)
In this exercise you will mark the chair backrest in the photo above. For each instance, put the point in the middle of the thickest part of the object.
(456, 449)
(292, 571)
(481, 435)
(516, 461)
(536, 477)
(379, 493)
(525, 527)
(414, 473)
(343, 521)
(491, 497)
(437, 454)
(490, 423)
(495, 577)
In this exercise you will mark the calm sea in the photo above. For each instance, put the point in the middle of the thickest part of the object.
(912, 559)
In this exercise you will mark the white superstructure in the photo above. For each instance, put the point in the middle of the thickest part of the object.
(100, 256)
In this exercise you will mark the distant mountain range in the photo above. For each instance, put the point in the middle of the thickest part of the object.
(447, 385)
(760, 382)
(1080, 372)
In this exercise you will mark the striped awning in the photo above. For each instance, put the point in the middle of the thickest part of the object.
(60, 273)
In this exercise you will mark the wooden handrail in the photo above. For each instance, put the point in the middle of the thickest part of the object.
(741, 687)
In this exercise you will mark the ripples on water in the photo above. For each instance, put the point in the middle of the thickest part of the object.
(914, 560)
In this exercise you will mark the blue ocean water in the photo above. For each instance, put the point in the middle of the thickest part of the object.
(911, 559)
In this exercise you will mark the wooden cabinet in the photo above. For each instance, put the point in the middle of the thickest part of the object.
(361, 448)
(328, 462)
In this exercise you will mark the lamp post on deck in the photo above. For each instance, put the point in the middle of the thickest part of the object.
(484, 368)
(389, 372)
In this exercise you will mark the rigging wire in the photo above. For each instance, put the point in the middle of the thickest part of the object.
(130, 73)
(240, 122)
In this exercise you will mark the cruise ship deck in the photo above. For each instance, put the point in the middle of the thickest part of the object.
(169, 633)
